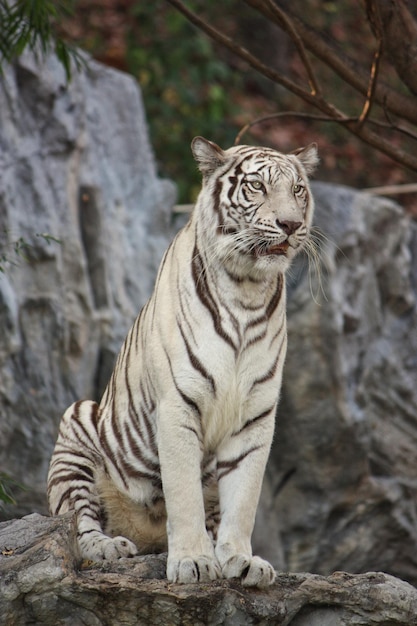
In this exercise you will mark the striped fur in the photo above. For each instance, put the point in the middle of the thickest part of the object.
(174, 456)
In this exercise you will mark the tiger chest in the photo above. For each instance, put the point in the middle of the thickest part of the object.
(236, 385)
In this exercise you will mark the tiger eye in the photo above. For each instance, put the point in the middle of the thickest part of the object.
(256, 184)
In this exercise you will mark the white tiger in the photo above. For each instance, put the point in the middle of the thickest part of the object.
(174, 456)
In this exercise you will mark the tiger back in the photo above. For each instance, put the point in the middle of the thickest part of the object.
(173, 457)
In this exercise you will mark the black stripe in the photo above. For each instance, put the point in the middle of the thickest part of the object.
(256, 321)
(88, 510)
(167, 254)
(195, 362)
(115, 427)
(257, 338)
(206, 297)
(137, 326)
(78, 424)
(147, 398)
(83, 475)
(133, 472)
(71, 476)
(233, 180)
(81, 533)
(182, 309)
(65, 496)
(95, 415)
(234, 277)
(270, 373)
(278, 332)
(191, 403)
(135, 417)
(216, 197)
(152, 466)
(273, 303)
(230, 466)
(191, 428)
(254, 420)
(110, 454)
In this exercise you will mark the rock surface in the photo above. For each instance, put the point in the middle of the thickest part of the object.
(41, 582)
(75, 163)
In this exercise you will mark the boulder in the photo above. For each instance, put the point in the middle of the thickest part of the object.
(42, 581)
(75, 164)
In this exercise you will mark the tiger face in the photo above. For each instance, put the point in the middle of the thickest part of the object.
(263, 205)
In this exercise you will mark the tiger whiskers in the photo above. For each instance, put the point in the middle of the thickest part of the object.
(318, 260)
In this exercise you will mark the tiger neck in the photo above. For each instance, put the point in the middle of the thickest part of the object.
(236, 278)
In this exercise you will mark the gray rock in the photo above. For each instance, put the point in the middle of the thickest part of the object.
(42, 581)
(75, 163)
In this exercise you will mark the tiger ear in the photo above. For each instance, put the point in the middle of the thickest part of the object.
(207, 154)
(308, 157)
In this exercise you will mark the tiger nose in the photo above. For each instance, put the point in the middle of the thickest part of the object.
(288, 226)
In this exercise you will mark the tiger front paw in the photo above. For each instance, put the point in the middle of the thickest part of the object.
(252, 570)
(193, 569)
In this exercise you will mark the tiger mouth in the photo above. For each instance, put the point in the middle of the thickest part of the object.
(272, 249)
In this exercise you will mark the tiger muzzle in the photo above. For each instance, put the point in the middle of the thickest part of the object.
(272, 249)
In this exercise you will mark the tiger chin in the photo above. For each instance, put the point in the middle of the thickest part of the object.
(174, 455)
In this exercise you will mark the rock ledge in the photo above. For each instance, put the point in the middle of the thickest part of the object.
(42, 581)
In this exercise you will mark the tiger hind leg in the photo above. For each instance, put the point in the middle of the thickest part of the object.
(72, 483)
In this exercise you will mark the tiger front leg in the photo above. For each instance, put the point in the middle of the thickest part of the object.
(191, 556)
(240, 479)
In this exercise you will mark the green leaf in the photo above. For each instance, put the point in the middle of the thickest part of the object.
(6, 484)
(30, 23)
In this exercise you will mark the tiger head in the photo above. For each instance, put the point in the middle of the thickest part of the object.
(255, 206)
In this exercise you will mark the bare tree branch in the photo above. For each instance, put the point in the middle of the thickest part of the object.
(347, 69)
(292, 31)
(281, 114)
(372, 85)
(393, 23)
(392, 190)
(319, 118)
(354, 125)
(244, 54)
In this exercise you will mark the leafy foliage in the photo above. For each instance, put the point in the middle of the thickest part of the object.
(7, 487)
(30, 23)
(188, 90)
(10, 252)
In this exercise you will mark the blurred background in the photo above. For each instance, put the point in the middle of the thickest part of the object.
(193, 85)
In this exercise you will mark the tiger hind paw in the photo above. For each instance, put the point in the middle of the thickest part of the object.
(97, 546)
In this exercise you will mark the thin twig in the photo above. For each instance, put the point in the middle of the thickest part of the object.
(292, 31)
(319, 118)
(271, 116)
(392, 190)
(405, 131)
(372, 85)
